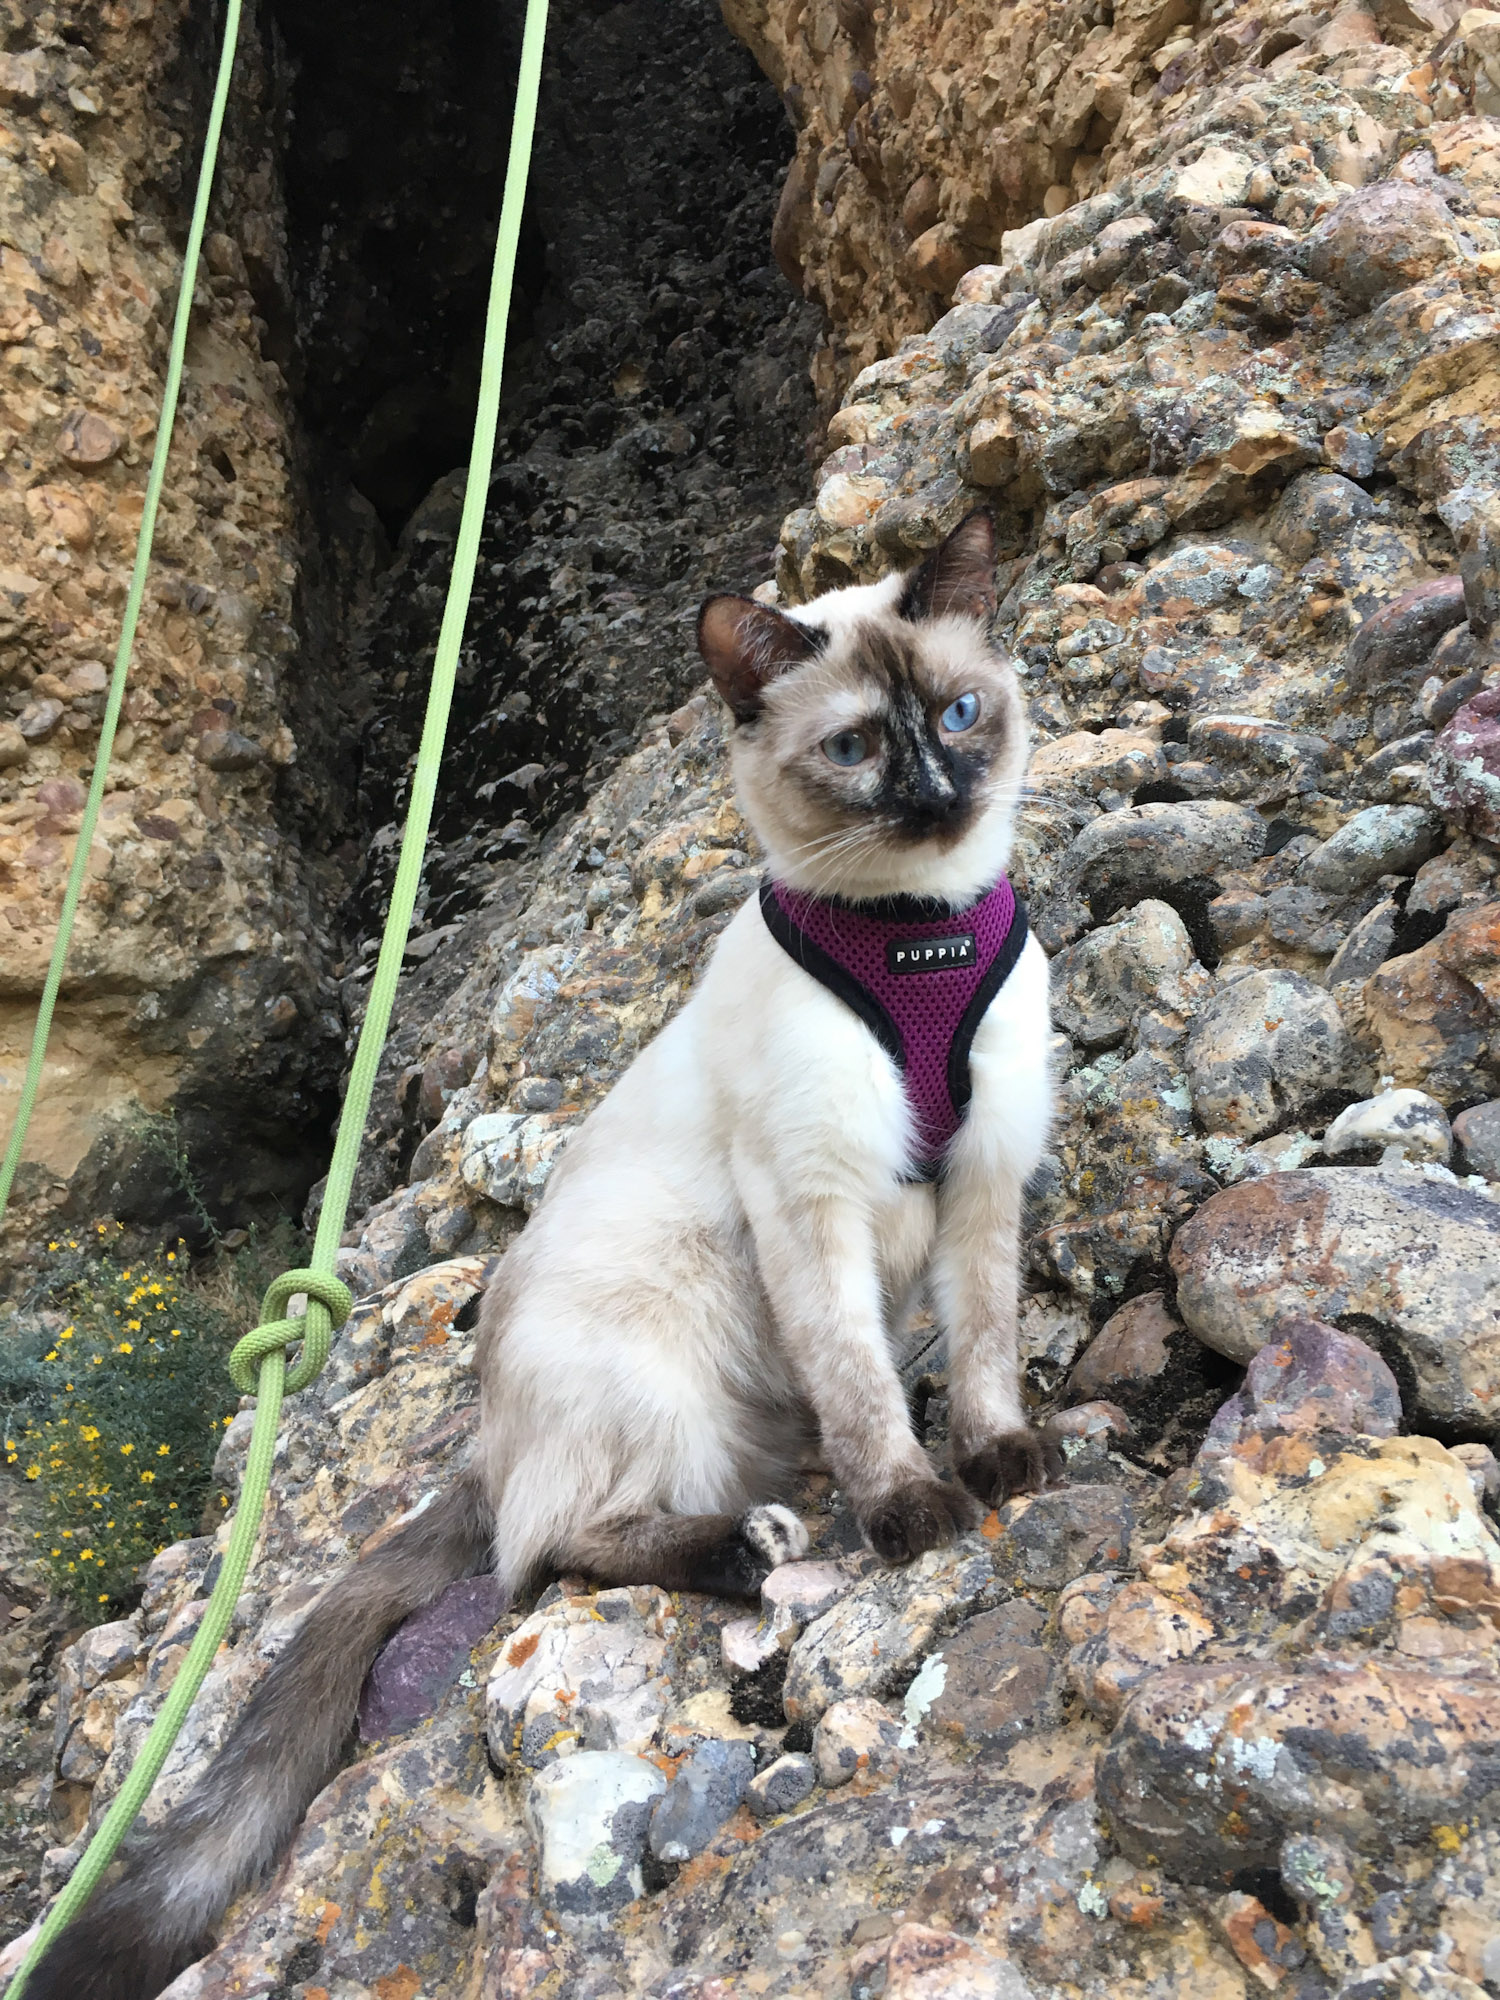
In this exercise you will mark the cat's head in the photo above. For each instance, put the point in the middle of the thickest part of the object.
(879, 741)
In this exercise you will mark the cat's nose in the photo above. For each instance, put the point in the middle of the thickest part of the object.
(932, 795)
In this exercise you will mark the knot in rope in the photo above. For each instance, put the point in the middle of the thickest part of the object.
(329, 1302)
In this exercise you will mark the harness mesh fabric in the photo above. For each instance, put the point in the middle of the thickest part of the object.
(919, 974)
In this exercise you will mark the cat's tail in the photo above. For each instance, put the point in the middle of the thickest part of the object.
(156, 1912)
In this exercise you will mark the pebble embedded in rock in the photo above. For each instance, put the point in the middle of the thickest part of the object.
(781, 1786)
(1128, 1353)
(855, 1738)
(424, 1657)
(585, 1672)
(1381, 840)
(702, 1795)
(1381, 238)
(1124, 857)
(589, 1815)
(1316, 508)
(1101, 983)
(1266, 1045)
(1311, 1377)
(1464, 774)
(1213, 1766)
(998, 1678)
(1403, 1124)
(1477, 1133)
(1416, 1256)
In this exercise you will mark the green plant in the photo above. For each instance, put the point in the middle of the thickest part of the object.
(114, 1414)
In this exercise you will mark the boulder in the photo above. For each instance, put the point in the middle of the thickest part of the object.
(1416, 1258)
(1380, 239)
(1265, 1046)
(1464, 772)
(589, 1816)
(702, 1795)
(1311, 1377)
(1124, 857)
(1381, 840)
(1213, 1766)
(1396, 1125)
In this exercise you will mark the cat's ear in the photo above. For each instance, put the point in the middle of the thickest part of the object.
(745, 645)
(957, 579)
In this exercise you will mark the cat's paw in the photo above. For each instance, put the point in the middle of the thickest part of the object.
(775, 1534)
(1019, 1461)
(914, 1518)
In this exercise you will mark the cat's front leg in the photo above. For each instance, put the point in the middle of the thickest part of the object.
(817, 1259)
(976, 1287)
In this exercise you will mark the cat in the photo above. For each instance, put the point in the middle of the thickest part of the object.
(707, 1295)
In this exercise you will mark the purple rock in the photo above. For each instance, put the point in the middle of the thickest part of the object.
(1465, 769)
(425, 1656)
(1311, 1377)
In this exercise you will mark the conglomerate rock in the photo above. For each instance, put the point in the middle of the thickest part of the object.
(1217, 1714)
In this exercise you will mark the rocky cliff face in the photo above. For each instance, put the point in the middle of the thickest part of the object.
(202, 943)
(656, 404)
(1218, 1713)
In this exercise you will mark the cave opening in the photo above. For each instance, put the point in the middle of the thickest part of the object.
(656, 411)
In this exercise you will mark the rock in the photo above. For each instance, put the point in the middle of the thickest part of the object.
(781, 1786)
(998, 1678)
(507, 1155)
(582, 1673)
(88, 441)
(38, 721)
(702, 1795)
(1100, 984)
(1432, 1012)
(1399, 1124)
(1381, 238)
(1124, 857)
(14, 748)
(1316, 508)
(1128, 1353)
(926, 1964)
(873, 1638)
(1477, 1133)
(1367, 946)
(1310, 1377)
(425, 1656)
(1349, 451)
(795, 1594)
(1218, 178)
(1213, 1766)
(1417, 1258)
(1381, 840)
(855, 1738)
(1263, 1047)
(1046, 1539)
(1119, 760)
(228, 750)
(1391, 649)
(1463, 775)
(589, 1816)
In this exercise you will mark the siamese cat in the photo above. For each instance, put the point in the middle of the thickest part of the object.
(849, 1106)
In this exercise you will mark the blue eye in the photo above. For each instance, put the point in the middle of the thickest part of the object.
(962, 714)
(846, 747)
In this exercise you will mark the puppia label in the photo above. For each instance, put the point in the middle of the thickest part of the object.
(930, 954)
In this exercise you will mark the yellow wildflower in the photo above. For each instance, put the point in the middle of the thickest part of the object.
(148, 1479)
(164, 1451)
(125, 1347)
(126, 1450)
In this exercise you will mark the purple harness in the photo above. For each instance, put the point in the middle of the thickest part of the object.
(920, 977)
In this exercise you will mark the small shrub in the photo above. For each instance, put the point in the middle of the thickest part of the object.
(117, 1393)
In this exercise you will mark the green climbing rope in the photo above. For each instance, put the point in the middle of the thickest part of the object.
(258, 1362)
